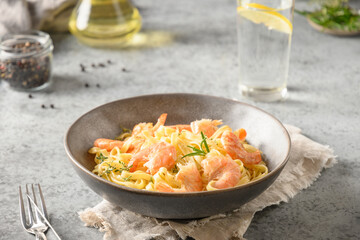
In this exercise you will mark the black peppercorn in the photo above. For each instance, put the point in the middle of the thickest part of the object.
(25, 62)
(83, 69)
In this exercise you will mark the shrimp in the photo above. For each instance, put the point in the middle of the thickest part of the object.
(181, 127)
(135, 144)
(160, 122)
(107, 144)
(241, 133)
(189, 177)
(138, 128)
(223, 171)
(236, 150)
(161, 155)
(207, 126)
(154, 157)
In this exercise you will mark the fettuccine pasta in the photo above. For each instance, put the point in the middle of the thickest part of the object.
(201, 156)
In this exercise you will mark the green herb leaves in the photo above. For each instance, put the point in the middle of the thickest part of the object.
(101, 157)
(203, 142)
(337, 16)
(125, 167)
(111, 168)
(125, 133)
(175, 169)
(127, 178)
(204, 148)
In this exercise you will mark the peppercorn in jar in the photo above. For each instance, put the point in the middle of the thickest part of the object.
(25, 60)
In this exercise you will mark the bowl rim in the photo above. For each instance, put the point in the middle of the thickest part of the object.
(176, 194)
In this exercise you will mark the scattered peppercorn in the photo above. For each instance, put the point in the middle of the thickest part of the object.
(87, 85)
(123, 69)
(52, 106)
(109, 61)
(82, 68)
(93, 65)
(30, 96)
(98, 85)
(101, 65)
(27, 72)
(43, 106)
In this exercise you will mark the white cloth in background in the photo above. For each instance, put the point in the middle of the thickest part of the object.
(14, 15)
(307, 159)
(22, 15)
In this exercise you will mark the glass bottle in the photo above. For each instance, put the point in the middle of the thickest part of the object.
(104, 23)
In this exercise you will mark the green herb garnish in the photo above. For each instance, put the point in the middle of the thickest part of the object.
(335, 15)
(175, 169)
(109, 169)
(125, 133)
(127, 178)
(204, 142)
(101, 157)
(201, 151)
(125, 167)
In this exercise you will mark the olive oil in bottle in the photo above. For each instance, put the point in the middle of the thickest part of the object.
(104, 23)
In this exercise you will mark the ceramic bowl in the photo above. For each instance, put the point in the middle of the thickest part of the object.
(264, 132)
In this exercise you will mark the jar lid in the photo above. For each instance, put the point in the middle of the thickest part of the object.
(24, 44)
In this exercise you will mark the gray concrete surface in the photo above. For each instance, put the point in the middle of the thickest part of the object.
(324, 85)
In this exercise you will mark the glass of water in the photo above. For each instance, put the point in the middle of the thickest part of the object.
(264, 39)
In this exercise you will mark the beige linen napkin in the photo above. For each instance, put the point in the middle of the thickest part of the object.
(307, 159)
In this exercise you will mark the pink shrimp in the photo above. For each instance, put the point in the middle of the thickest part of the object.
(138, 128)
(223, 170)
(135, 145)
(154, 157)
(207, 126)
(189, 177)
(107, 144)
(181, 127)
(236, 150)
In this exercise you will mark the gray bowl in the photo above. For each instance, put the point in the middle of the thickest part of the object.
(264, 131)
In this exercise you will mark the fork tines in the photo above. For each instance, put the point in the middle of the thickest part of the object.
(33, 215)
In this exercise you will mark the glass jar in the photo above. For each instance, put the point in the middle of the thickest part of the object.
(26, 60)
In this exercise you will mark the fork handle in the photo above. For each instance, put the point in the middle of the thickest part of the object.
(40, 236)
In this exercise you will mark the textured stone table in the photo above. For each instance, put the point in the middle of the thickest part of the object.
(192, 48)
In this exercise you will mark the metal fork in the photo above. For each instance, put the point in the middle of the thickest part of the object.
(36, 224)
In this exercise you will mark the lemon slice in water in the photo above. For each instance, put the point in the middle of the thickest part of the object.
(267, 16)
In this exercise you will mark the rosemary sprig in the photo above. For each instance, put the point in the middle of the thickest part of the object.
(197, 152)
(204, 142)
(201, 151)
